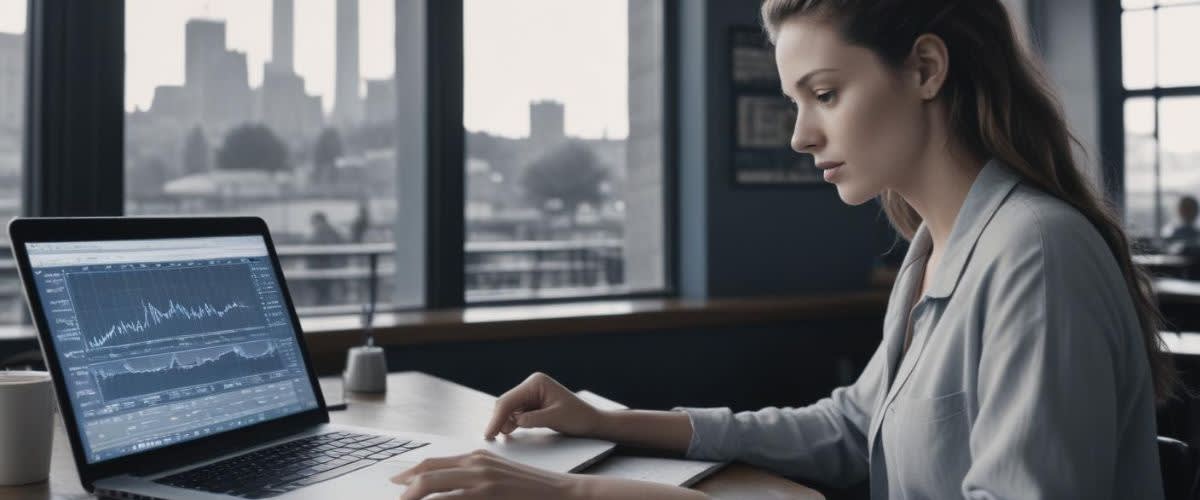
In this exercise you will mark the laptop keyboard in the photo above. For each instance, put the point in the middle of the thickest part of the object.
(295, 464)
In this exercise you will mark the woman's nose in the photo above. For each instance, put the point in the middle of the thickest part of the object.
(806, 137)
(805, 141)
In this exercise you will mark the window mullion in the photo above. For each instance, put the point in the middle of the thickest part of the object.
(74, 135)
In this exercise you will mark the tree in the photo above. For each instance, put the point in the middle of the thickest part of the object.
(195, 152)
(325, 153)
(252, 147)
(570, 173)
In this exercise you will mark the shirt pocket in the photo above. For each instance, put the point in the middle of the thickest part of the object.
(935, 409)
(927, 442)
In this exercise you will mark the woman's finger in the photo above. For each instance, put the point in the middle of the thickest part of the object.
(430, 465)
(535, 418)
(518, 398)
(509, 426)
(443, 480)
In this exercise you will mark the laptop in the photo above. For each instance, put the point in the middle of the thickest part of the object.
(181, 370)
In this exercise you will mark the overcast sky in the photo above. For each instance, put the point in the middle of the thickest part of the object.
(516, 51)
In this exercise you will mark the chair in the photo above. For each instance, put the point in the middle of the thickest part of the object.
(1178, 466)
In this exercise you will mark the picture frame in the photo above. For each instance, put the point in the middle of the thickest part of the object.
(760, 142)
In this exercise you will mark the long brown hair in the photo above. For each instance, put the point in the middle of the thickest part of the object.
(1002, 107)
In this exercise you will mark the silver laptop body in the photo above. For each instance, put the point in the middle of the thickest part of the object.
(174, 345)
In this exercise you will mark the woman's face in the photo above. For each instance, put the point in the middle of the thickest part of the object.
(862, 121)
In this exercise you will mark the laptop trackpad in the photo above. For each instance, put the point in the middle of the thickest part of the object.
(540, 448)
(546, 449)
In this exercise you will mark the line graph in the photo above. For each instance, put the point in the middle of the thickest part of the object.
(152, 374)
(120, 308)
(152, 316)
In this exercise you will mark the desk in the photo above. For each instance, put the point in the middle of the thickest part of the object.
(423, 403)
(1179, 418)
(1165, 265)
(1178, 300)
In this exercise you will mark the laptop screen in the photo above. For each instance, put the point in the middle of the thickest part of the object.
(168, 340)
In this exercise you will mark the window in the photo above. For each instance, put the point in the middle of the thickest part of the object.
(1161, 105)
(12, 127)
(281, 109)
(333, 120)
(563, 111)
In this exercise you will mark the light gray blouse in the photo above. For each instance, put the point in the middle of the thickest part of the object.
(1026, 377)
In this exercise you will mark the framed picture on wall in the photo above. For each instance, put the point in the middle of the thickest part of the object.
(761, 153)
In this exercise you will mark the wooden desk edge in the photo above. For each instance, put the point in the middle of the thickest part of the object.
(614, 316)
(511, 322)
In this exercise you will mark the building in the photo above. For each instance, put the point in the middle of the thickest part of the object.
(282, 103)
(285, 107)
(203, 39)
(346, 103)
(12, 118)
(546, 124)
(216, 79)
(381, 101)
(282, 35)
(174, 101)
(12, 82)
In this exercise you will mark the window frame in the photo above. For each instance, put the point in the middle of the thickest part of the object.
(1113, 96)
(73, 157)
(669, 109)
(74, 161)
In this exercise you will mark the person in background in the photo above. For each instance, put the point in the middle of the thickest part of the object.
(1184, 238)
(362, 221)
(323, 233)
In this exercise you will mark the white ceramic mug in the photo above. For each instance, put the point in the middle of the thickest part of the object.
(366, 370)
(26, 426)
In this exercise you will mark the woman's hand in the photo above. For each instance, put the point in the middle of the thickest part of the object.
(540, 401)
(482, 474)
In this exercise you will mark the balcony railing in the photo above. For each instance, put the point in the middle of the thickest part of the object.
(339, 279)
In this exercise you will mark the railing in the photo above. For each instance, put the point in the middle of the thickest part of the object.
(339, 279)
(533, 269)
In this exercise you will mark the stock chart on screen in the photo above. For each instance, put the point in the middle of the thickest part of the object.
(163, 341)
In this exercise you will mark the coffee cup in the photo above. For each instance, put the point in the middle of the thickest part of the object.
(26, 426)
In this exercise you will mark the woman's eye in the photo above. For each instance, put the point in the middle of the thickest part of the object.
(825, 97)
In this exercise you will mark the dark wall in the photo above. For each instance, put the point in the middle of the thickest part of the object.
(738, 241)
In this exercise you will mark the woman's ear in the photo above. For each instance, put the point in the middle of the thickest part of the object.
(930, 61)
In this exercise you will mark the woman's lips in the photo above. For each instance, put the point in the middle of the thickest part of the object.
(830, 169)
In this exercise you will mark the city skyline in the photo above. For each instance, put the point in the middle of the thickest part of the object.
(489, 112)
(497, 90)
(159, 61)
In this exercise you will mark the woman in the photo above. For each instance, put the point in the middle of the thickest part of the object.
(1020, 356)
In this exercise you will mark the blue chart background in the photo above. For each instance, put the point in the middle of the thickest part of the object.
(153, 374)
(105, 299)
(158, 353)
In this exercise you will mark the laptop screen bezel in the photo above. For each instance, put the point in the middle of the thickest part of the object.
(50, 230)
